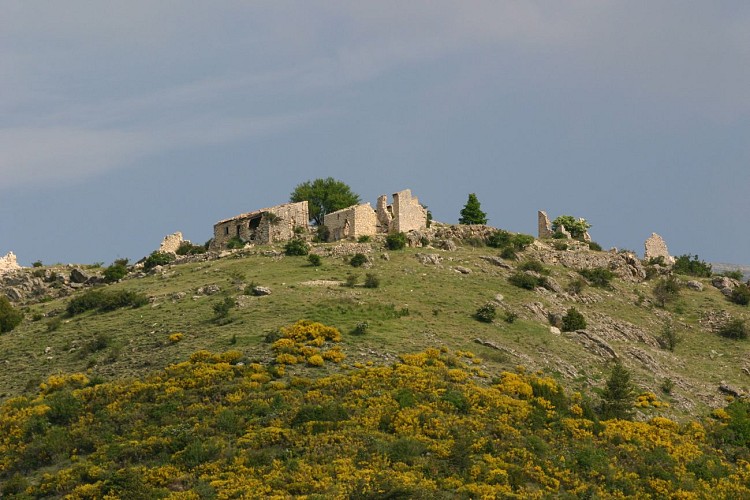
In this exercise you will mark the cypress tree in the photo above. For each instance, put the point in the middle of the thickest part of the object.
(618, 394)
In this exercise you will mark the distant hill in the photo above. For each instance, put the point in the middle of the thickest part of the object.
(719, 267)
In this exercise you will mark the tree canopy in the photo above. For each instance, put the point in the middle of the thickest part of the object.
(576, 227)
(472, 212)
(324, 196)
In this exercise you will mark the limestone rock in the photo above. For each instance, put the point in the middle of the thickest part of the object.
(8, 263)
(77, 275)
(429, 258)
(724, 283)
(448, 245)
(462, 270)
(656, 247)
(695, 285)
(497, 261)
(208, 290)
(171, 243)
(260, 291)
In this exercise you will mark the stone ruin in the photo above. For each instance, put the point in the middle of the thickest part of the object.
(403, 215)
(264, 226)
(171, 243)
(8, 263)
(545, 228)
(656, 247)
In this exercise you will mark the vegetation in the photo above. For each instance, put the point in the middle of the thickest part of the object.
(296, 247)
(669, 338)
(573, 320)
(619, 394)
(235, 243)
(666, 290)
(735, 329)
(472, 212)
(534, 266)
(692, 266)
(157, 259)
(187, 248)
(117, 271)
(735, 274)
(526, 281)
(576, 227)
(324, 196)
(104, 300)
(9, 316)
(314, 259)
(740, 295)
(371, 281)
(599, 276)
(395, 241)
(486, 313)
(358, 260)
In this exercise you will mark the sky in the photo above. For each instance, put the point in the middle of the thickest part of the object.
(122, 122)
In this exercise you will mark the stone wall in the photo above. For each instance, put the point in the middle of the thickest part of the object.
(171, 243)
(352, 222)
(656, 247)
(8, 263)
(408, 214)
(544, 224)
(264, 226)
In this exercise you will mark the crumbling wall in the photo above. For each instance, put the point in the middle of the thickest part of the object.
(544, 225)
(655, 247)
(264, 226)
(171, 243)
(351, 222)
(408, 214)
(8, 263)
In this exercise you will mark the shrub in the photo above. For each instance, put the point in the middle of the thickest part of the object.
(314, 260)
(576, 286)
(693, 266)
(576, 227)
(358, 260)
(351, 280)
(222, 309)
(235, 243)
(9, 316)
(560, 245)
(599, 276)
(296, 247)
(741, 295)
(735, 274)
(521, 241)
(371, 281)
(365, 238)
(54, 324)
(734, 329)
(510, 316)
(524, 280)
(533, 265)
(667, 385)
(105, 300)
(508, 253)
(157, 259)
(486, 313)
(395, 241)
(573, 320)
(499, 239)
(595, 246)
(668, 339)
(187, 248)
(322, 233)
(360, 328)
(117, 271)
(666, 290)
(37, 263)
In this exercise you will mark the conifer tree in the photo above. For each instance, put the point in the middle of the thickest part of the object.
(618, 394)
(472, 212)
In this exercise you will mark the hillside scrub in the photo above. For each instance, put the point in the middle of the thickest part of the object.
(105, 300)
(576, 227)
(9, 316)
(692, 266)
(219, 426)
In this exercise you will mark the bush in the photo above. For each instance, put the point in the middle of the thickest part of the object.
(668, 339)
(559, 245)
(105, 300)
(296, 247)
(360, 328)
(314, 260)
(9, 316)
(222, 309)
(526, 281)
(322, 233)
(508, 253)
(576, 227)
(371, 281)
(510, 316)
(395, 241)
(358, 260)
(521, 241)
(486, 313)
(735, 274)
(351, 280)
(741, 295)
(576, 286)
(599, 276)
(187, 248)
(693, 266)
(499, 239)
(235, 243)
(363, 239)
(157, 259)
(734, 329)
(533, 265)
(666, 290)
(595, 246)
(117, 271)
(573, 320)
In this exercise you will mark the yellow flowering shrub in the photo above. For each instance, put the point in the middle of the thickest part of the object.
(176, 337)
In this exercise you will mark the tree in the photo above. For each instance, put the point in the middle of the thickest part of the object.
(618, 394)
(576, 227)
(9, 316)
(324, 196)
(472, 213)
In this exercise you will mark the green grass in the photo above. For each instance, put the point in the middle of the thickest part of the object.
(415, 307)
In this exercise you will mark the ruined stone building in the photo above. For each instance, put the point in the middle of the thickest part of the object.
(267, 225)
(404, 214)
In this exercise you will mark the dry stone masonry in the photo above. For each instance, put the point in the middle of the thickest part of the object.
(545, 226)
(403, 215)
(171, 243)
(8, 263)
(656, 247)
(264, 226)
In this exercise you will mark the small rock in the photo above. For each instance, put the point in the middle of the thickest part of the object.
(259, 291)
(695, 285)
(448, 245)
(385, 256)
(429, 258)
(499, 297)
(208, 290)
(178, 295)
(47, 350)
(463, 270)
(554, 330)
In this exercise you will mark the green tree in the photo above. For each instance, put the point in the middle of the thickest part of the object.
(576, 227)
(472, 212)
(619, 391)
(9, 316)
(324, 196)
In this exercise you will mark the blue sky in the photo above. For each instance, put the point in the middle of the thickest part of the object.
(122, 122)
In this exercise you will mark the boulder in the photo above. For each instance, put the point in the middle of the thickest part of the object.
(694, 285)
(77, 275)
(429, 258)
(260, 291)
